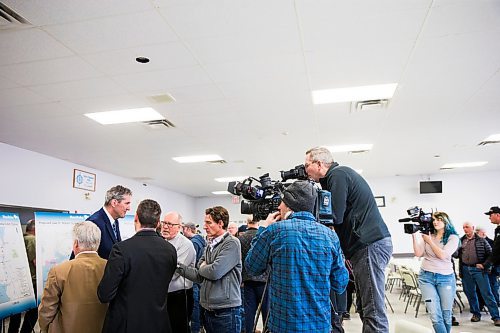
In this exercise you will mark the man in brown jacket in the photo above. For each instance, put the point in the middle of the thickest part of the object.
(69, 301)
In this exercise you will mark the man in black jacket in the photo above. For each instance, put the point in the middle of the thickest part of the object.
(493, 261)
(137, 276)
(363, 234)
(472, 254)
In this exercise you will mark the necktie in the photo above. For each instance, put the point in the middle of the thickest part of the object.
(114, 225)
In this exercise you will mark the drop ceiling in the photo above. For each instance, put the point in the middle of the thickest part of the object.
(242, 73)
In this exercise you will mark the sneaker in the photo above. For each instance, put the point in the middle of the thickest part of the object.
(346, 316)
(496, 322)
(475, 318)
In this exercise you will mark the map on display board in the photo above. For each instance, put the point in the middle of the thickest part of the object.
(16, 288)
(54, 235)
(54, 242)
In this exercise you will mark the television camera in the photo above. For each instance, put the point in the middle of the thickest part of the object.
(421, 221)
(264, 198)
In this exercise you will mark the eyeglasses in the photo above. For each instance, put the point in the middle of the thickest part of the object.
(169, 224)
(306, 165)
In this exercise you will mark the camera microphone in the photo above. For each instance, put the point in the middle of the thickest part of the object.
(406, 219)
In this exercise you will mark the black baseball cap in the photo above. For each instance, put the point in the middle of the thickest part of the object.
(493, 210)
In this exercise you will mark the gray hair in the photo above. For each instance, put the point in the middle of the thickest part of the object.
(117, 192)
(88, 235)
(320, 154)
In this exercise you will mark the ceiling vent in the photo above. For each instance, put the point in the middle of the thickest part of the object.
(9, 19)
(163, 98)
(373, 104)
(488, 142)
(157, 124)
(359, 151)
(218, 162)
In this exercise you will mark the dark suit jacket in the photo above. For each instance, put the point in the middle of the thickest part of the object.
(135, 282)
(107, 235)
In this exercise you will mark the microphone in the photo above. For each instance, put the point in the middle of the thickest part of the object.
(406, 219)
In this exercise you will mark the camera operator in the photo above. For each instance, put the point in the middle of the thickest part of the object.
(437, 278)
(363, 235)
(305, 259)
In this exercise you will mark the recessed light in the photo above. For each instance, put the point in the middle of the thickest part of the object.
(221, 193)
(350, 148)
(463, 165)
(350, 94)
(197, 158)
(230, 179)
(125, 116)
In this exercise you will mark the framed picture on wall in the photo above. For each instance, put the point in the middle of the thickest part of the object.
(380, 201)
(84, 180)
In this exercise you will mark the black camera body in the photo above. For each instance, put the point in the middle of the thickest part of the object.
(260, 200)
(421, 221)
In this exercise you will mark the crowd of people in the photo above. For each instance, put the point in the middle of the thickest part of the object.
(288, 269)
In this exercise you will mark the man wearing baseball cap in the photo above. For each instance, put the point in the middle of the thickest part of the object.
(306, 262)
(493, 260)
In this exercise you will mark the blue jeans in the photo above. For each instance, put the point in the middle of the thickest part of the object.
(438, 292)
(253, 292)
(222, 320)
(195, 316)
(368, 265)
(472, 276)
(494, 282)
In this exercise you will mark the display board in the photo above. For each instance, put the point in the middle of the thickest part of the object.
(16, 289)
(54, 242)
(127, 228)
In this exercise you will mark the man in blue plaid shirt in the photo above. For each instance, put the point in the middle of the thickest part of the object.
(305, 260)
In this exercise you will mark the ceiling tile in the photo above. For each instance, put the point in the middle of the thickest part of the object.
(111, 33)
(162, 56)
(49, 71)
(88, 88)
(24, 45)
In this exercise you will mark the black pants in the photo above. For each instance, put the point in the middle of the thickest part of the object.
(30, 318)
(180, 308)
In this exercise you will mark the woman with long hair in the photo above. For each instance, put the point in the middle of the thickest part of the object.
(436, 278)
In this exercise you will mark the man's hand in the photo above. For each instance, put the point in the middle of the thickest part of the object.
(480, 266)
(271, 218)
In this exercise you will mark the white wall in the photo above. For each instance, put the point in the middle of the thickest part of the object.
(36, 180)
(466, 196)
(32, 179)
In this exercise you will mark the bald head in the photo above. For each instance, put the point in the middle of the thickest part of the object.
(232, 228)
(468, 229)
(171, 225)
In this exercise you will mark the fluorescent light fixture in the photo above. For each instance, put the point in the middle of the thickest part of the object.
(493, 137)
(350, 148)
(125, 116)
(197, 158)
(463, 165)
(221, 193)
(362, 93)
(230, 179)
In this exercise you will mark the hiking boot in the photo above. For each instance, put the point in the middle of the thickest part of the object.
(475, 318)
